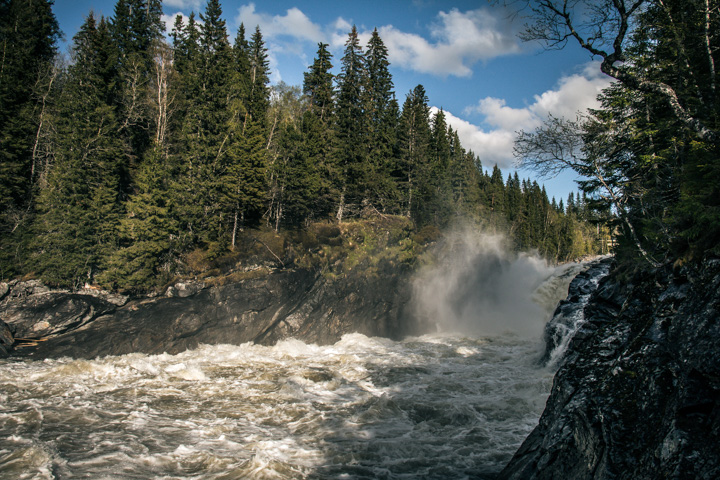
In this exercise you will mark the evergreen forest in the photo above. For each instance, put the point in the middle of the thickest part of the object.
(144, 151)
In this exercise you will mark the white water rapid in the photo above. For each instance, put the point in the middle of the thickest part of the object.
(443, 406)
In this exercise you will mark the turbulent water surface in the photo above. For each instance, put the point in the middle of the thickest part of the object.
(442, 406)
(433, 407)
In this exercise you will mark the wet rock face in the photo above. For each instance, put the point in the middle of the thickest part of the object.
(289, 303)
(638, 394)
(569, 315)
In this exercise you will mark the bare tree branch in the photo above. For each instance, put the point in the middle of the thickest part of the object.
(602, 28)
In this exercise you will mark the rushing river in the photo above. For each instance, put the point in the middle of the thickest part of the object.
(430, 407)
(443, 406)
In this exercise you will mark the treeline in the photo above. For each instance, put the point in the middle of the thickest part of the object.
(143, 150)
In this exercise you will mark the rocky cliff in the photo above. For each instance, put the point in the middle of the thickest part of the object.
(637, 395)
(264, 308)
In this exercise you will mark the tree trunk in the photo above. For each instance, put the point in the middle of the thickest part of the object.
(341, 206)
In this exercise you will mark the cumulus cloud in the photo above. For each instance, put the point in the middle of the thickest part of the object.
(574, 93)
(170, 21)
(498, 114)
(457, 40)
(183, 4)
(492, 147)
(293, 24)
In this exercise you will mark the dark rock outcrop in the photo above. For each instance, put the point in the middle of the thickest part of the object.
(289, 303)
(7, 340)
(638, 394)
(569, 314)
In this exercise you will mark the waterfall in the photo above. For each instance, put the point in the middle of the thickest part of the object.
(476, 286)
(570, 313)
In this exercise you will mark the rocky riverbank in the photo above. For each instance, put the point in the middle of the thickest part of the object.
(330, 282)
(637, 395)
(296, 303)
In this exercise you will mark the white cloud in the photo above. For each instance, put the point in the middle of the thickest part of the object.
(170, 21)
(337, 33)
(574, 93)
(294, 24)
(498, 114)
(461, 40)
(183, 4)
(457, 41)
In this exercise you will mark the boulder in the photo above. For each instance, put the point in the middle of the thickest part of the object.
(37, 313)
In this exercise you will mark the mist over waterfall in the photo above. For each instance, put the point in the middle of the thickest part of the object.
(477, 287)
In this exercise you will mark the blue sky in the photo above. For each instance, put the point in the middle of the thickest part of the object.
(465, 53)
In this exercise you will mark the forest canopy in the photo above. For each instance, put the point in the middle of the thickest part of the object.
(145, 149)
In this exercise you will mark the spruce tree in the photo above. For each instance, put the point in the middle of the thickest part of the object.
(258, 96)
(350, 131)
(136, 28)
(496, 193)
(145, 257)
(318, 127)
(241, 73)
(79, 208)
(381, 118)
(249, 140)
(516, 213)
(434, 181)
(414, 138)
(294, 179)
(205, 180)
(28, 35)
(318, 85)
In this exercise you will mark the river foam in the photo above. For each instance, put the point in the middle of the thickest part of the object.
(441, 406)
